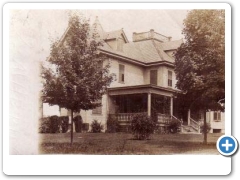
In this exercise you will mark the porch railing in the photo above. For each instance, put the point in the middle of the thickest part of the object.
(125, 116)
(162, 118)
(195, 125)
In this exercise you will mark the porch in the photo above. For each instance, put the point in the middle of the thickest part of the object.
(125, 102)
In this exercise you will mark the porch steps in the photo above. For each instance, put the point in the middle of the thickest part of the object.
(189, 130)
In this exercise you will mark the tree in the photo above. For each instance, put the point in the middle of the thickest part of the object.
(77, 75)
(200, 61)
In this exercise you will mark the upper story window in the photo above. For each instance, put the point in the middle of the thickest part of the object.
(121, 73)
(170, 78)
(98, 110)
(217, 116)
(153, 77)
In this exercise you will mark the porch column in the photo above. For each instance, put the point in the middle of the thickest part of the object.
(171, 106)
(189, 116)
(149, 104)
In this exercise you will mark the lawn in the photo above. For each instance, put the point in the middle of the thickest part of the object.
(122, 143)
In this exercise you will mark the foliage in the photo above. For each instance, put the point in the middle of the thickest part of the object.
(54, 124)
(85, 126)
(200, 61)
(78, 123)
(76, 76)
(96, 126)
(64, 120)
(112, 124)
(174, 126)
(44, 126)
(142, 126)
(204, 129)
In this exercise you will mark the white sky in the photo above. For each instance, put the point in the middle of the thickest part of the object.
(31, 30)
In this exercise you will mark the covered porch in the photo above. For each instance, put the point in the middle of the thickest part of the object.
(124, 102)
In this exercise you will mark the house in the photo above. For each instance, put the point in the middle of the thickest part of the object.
(145, 77)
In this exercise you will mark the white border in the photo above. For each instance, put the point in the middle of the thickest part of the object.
(113, 165)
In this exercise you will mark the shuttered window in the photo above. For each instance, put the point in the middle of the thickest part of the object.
(153, 77)
(98, 110)
(121, 73)
(170, 78)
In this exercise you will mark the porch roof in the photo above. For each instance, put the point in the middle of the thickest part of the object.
(140, 89)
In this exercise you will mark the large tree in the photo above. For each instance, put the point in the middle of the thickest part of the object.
(76, 75)
(200, 61)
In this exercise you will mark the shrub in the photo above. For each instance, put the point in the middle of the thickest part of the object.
(54, 124)
(44, 125)
(142, 126)
(78, 123)
(85, 126)
(96, 126)
(112, 124)
(174, 126)
(205, 129)
(64, 120)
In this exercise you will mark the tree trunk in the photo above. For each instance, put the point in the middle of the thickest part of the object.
(71, 126)
(205, 128)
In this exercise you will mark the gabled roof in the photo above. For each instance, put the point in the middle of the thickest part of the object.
(147, 51)
(115, 34)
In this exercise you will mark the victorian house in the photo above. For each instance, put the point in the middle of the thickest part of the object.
(145, 77)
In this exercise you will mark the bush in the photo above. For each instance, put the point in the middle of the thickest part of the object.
(54, 124)
(78, 123)
(112, 124)
(174, 126)
(142, 126)
(64, 120)
(44, 126)
(203, 129)
(85, 126)
(96, 126)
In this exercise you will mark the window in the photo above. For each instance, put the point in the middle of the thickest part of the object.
(121, 73)
(216, 130)
(153, 77)
(170, 78)
(217, 116)
(98, 110)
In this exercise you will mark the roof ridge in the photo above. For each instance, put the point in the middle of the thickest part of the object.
(158, 51)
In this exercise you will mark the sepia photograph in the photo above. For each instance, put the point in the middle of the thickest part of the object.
(122, 82)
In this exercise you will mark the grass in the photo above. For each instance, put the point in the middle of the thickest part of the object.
(122, 143)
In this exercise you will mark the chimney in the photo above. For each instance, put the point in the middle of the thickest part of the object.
(169, 38)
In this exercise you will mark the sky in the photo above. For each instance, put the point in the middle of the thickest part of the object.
(31, 31)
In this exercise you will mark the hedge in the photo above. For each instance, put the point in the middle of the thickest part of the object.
(54, 124)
